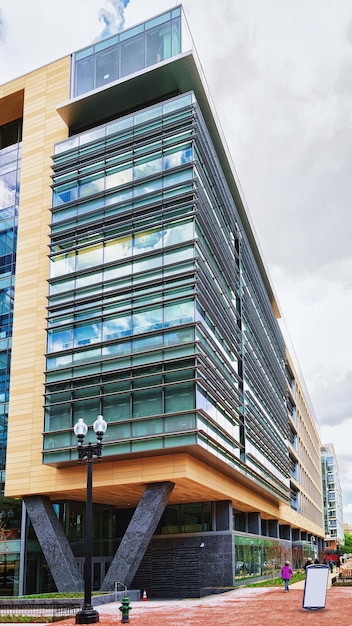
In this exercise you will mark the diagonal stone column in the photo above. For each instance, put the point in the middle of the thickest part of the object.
(53, 542)
(138, 535)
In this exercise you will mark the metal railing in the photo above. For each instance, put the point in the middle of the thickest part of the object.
(53, 609)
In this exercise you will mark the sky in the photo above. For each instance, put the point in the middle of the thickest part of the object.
(280, 75)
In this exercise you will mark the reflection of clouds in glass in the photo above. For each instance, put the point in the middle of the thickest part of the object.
(7, 191)
(147, 320)
(118, 249)
(121, 248)
(119, 327)
(177, 158)
(85, 335)
(153, 166)
(60, 340)
(119, 177)
(178, 234)
(151, 240)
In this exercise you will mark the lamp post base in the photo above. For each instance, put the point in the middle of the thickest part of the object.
(87, 616)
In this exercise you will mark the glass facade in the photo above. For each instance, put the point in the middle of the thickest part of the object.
(146, 259)
(259, 556)
(332, 495)
(10, 510)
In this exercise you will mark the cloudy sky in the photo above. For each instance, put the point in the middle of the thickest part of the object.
(281, 78)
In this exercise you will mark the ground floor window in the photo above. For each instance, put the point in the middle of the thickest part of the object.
(259, 556)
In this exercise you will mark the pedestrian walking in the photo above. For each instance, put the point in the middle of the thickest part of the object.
(309, 561)
(286, 574)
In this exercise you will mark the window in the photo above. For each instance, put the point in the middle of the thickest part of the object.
(147, 166)
(149, 319)
(179, 398)
(179, 313)
(147, 402)
(117, 327)
(158, 43)
(91, 185)
(84, 335)
(119, 176)
(106, 69)
(84, 75)
(60, 339)
(89, 257)
(132, 55)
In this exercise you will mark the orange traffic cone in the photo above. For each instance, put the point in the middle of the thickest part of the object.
(144, 597)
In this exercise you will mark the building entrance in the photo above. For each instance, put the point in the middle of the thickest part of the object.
(100, 566)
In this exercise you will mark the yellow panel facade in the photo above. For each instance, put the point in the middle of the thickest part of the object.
(40, 120)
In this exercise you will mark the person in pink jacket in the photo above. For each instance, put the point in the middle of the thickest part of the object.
(286, 574)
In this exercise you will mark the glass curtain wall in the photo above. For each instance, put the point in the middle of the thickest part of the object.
(134, 328)
(10, 511)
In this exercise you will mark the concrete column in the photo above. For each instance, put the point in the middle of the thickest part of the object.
(240, 522)
(285, 532)
(273, 528)
(53, 542)
(138, 535)
(254, 523)
(223, 515)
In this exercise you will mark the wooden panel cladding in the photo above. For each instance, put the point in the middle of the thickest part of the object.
(11, 107)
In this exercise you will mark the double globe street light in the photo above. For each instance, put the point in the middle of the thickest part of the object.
(88, 615)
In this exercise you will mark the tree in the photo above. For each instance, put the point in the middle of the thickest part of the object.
(346, 548)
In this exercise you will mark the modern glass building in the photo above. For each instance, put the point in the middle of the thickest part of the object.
(141, 295)
(332, 499)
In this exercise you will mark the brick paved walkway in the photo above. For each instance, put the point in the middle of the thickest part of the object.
(247, 606)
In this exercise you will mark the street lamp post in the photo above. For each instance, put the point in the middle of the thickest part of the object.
(88, 615)
(314, 547)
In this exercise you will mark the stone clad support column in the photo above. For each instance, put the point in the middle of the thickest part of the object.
(273, 528)
(53, 542)
(254, 523)
(285, 532)
(138, 535)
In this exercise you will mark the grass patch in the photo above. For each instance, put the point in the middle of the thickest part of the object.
(52, 596)
(278, 582)
(25, 619)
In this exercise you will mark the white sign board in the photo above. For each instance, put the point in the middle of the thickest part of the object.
(315, 587)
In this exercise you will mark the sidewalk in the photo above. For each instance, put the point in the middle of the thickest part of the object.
(300, 584)
(254, 606)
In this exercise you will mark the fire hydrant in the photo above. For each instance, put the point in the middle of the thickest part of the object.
(125, 609)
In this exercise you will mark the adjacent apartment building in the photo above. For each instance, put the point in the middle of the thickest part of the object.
(332, 499)
(133, 287)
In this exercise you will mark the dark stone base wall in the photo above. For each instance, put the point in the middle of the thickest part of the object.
(178, 567)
